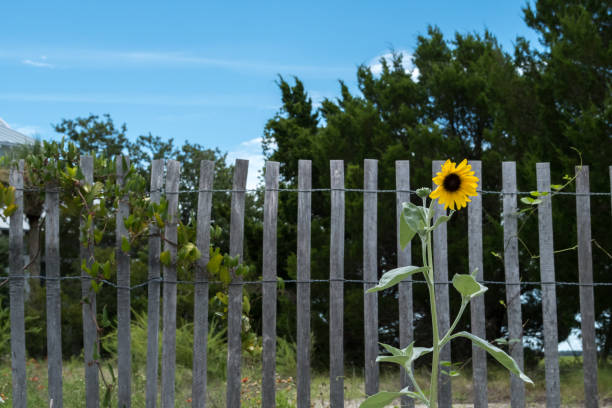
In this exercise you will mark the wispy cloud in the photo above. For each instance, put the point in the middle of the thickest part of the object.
(169, 59)
(38, 64)
(250, 150)
(376, 65)
(216, 100)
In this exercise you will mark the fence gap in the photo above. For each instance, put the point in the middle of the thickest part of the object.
(549, 296)
(513, 288)
(16, 291)
(269, 286)
(157, 175)
(234, 307)
(303, 285)
(370, 266)
(169, 291)
(200, 324)
(54, 306)
(404, 258)
(90, 335)
(585, 276)
(440, 254)
(477, 305)
(124, 355)
(336, 286)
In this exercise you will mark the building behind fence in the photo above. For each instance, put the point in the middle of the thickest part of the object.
(165, 278)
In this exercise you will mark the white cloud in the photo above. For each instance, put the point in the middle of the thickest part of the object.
(376, 66)
(250, 150)
(39, 64)
(28, 130)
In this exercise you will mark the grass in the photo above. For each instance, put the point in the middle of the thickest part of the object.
(571, 385)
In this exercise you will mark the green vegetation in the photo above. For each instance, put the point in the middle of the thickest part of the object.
(74, 387)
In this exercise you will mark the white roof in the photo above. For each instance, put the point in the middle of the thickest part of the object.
(10, 136)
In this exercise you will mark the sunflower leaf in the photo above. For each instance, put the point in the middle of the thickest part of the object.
(468, 286)
(442, 218)
(497, 353)
(412, 221)
(394, 276)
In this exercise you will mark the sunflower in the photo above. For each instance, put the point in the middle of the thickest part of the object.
(455, 184)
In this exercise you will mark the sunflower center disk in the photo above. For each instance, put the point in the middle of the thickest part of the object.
(452, 182)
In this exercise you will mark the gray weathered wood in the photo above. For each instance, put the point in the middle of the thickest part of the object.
(404, 258)
(124, 354)
(549, 296)
(157, 177)
(303, 285)
(585, 274)
(440, 255)
(54, 300)
(200, 324)
(90, 344)
(169, 289)
(477, 305)
(16, 292)
(336, 286)
(234, 307)
(370, 264)
(513, 289)
(268, 394)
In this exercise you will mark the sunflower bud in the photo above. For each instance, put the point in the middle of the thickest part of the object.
(423, 192)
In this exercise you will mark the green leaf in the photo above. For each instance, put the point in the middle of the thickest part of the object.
(556, 187)
(165, 258)
(530, 201)
(98, 236)
(106, 271)
(412, 220)
(403, 357)
(394, 276)
(539, 193)
(468, 286)
(442, 218)
(214, 263)
(125, 244)
(497, 353)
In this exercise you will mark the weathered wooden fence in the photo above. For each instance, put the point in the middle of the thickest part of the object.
(168, 275)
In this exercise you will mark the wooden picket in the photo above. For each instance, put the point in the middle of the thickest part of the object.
(370, 268)
(234, 307)
(16, 288)
(124, 309)
(549, 296)
(442, 297)
(404, 258)
(268, 392)
(303, 285)
(90, 344)
(477, 305)
(513, 288)
(54, 305)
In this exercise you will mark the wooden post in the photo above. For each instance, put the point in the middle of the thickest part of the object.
(169, 291)
(303, 285)
(404, 258)
(268, 392)
(16, 292)
(90, 335)
(513, 288)
(549, 296)
(585, 274)
(477, 305)
(124, 354)
(336, 286)
(157, 174)
(440, 253)
(234, 307)
(200, 324)
(54, 305)
(370, 264)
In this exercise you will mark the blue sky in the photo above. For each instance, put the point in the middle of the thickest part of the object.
(205, 72)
